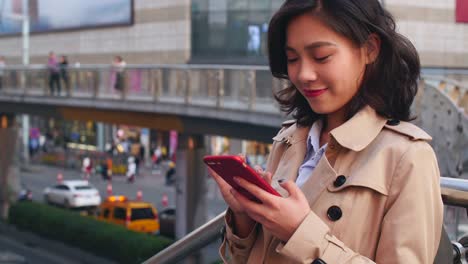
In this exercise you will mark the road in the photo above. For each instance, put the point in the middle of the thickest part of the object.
(13, 251)
(150, 182)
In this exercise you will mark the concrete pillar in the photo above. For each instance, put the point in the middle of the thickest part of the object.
(8, 139)
(100, 139)
(25, 123)
(235, 146)
(145, 142)
(190, 186)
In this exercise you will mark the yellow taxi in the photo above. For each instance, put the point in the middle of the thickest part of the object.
(137, 216)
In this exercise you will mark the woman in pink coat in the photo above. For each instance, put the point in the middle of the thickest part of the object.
(359, 183)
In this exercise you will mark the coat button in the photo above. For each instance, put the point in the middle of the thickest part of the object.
(340, 180)
(334, 213)
(318, 261)
(393, 122)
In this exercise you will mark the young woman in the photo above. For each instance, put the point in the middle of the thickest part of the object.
(360, 184)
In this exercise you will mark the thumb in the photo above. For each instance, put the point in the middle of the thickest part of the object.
(289, 186)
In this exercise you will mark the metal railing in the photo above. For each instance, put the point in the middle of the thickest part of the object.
(221, 86)
(457, 91)
(454, 193)
(192, 242)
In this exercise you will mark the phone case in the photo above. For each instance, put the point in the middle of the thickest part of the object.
(230, 166)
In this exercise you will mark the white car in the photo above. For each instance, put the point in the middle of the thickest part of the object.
(73, 194)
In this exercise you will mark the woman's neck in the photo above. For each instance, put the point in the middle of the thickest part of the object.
(330, 122)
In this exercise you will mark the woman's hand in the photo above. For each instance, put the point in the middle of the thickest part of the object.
(279, 215)
(226, 192)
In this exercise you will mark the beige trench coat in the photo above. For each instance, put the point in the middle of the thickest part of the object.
(374, 198)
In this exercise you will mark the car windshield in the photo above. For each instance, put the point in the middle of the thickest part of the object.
(142, 213)
(83, 187)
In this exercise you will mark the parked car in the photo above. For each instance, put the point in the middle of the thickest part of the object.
(73, 194)
(167, 218)
(137, 216)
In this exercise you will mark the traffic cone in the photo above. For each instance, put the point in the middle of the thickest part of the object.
(59, 177)
(139, 195)
(165, 201)
(109, 189)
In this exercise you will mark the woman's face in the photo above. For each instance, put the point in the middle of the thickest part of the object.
(324, 66)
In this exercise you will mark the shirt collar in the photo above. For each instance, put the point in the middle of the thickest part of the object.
(313, 138)
(360, 130)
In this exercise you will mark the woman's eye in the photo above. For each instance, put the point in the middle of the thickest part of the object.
(322, 59)
(291, 60)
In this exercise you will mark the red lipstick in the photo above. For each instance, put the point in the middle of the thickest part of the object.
(314, 93)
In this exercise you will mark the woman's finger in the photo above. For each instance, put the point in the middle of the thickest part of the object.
(223, 185)
(253, 189)
(249, 205)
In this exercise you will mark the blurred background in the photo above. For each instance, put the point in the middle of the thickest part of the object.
(108, 107)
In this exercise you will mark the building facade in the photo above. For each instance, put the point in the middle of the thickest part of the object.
(233, 32)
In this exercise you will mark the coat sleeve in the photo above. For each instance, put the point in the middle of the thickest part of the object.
(414, 200)
(238, 248)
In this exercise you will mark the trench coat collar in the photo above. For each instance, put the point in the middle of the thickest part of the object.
(359, 131)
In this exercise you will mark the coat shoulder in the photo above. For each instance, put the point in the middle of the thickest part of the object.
(288, 123)
(287, 129)
(409, 130)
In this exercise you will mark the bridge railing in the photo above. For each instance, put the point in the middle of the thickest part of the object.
(456, 90)
(232, 87)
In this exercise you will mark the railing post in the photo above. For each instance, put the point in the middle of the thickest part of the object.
(220, 94)
(158, 84)
(188, 86)
(23, 77)
(251, 80)
(95, 84)
(124, 91)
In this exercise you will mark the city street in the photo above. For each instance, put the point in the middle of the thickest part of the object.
(13, 251)
(17, 247)
(151, 183)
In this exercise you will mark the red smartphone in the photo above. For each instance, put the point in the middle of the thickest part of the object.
(229, 167)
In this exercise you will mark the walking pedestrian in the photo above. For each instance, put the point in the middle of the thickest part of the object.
(54, 74)
(119, 67)
(64, 73)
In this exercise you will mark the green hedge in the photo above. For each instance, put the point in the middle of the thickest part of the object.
(103, 239)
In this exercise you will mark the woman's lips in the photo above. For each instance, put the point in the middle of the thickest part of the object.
(314, 93)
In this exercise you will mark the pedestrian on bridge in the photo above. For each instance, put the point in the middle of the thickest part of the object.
(54, 74)
(64, 73)
(359, 183)
(119, 66)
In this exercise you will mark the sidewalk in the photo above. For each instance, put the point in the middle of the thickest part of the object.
(51, 249)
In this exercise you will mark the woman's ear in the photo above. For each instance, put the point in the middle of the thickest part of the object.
(372, 48)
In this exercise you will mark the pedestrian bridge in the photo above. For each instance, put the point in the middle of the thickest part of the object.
(234, 101)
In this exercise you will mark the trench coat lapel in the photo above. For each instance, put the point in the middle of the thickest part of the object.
(292, 158)
(322, 176)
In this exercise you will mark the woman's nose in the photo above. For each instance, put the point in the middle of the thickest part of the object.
(307, 73)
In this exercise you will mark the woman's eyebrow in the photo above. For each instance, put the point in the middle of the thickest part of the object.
(313, 45)
(319, 44)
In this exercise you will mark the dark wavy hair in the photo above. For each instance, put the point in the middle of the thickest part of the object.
(389, 84)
